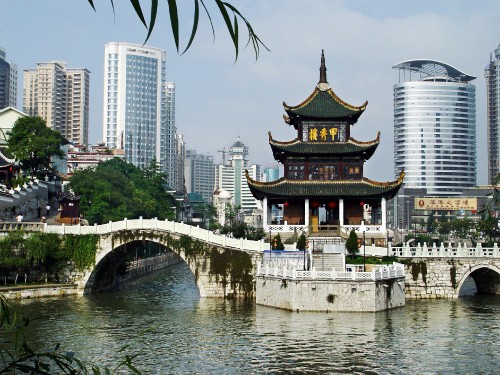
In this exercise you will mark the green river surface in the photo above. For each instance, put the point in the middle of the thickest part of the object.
(173, 331)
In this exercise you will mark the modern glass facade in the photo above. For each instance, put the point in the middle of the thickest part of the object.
(492, 75)
(435, 127)
(8, 82)
(138, 114)
(141, 109)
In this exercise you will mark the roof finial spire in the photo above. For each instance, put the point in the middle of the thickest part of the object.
(322, 69)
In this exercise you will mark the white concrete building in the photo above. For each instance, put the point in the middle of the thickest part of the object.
(199, 174)
(180, 156)
(231, 177)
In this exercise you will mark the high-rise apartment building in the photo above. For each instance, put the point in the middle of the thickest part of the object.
(8, 82)
(435, 127)
(199, 174)
(231, 177)
(180, 156)
(139, 106)
(61, 97)
(492, 74)
(168, 146)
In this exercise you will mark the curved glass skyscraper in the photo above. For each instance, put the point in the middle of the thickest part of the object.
(435, 127)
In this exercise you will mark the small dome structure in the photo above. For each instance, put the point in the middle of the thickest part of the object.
(224, 194)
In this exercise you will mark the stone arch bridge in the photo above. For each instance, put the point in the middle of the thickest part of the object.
(226, 266)
(440, 272)
(199, 252)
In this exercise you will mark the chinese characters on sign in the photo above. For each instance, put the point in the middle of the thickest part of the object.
(446, 204)
(324, 134)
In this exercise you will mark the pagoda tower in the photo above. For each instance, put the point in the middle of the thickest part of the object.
(323, 171)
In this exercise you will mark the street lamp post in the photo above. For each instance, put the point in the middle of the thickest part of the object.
(307, 245)
(387, 244)
(270, 247)
(408, 215)
(364, 251)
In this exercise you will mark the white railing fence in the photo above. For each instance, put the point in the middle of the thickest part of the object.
(235, 243)
(136, 224)
(442, 251)
(392, 271)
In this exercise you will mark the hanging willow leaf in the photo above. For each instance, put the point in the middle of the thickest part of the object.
(195, 24)
(174, 21)
(152, 19)
(256, 41)
(229, 25)
(138, 10)
(209, 18)
(224, 9)
(91, 4)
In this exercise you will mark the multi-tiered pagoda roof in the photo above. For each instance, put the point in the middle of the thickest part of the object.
(323, 161)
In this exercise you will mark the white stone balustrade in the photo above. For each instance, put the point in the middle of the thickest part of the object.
(235, 243)
(378, 273)
(141, 224)
(442, 251)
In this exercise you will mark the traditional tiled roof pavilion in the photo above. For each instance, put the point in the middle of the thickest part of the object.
(323, 168)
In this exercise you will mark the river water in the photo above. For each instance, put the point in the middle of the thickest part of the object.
(174, 331)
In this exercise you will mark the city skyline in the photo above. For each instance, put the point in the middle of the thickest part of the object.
(218, 100)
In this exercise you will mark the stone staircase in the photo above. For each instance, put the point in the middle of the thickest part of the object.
(327, 261)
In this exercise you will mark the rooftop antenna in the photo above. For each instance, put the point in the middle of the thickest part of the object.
(223, 152)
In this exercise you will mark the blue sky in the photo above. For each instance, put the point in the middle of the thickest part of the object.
(218, 100)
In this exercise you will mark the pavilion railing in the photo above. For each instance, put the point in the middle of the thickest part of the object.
(396, 270)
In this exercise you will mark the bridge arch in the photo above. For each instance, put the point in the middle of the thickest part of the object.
(486, 277)
(107, 272)
(219, 271)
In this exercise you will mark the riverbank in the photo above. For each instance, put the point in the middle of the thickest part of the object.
(38, 291)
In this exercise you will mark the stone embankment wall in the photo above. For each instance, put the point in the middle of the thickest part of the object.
(144, 266)
(326, 296)
(37, 291)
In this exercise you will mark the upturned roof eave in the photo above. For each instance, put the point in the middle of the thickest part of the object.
(352, 113)
(364, 188)
(292, 148)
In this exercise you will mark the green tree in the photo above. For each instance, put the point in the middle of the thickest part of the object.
(33, 144)
(207, 212)
(232, 18)
(277, 243)
(462, 226)
(301, 243)
(351, 245)
(116, 189)
(430, 225)
(254, 234)
(444, 228)
(488, 225)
